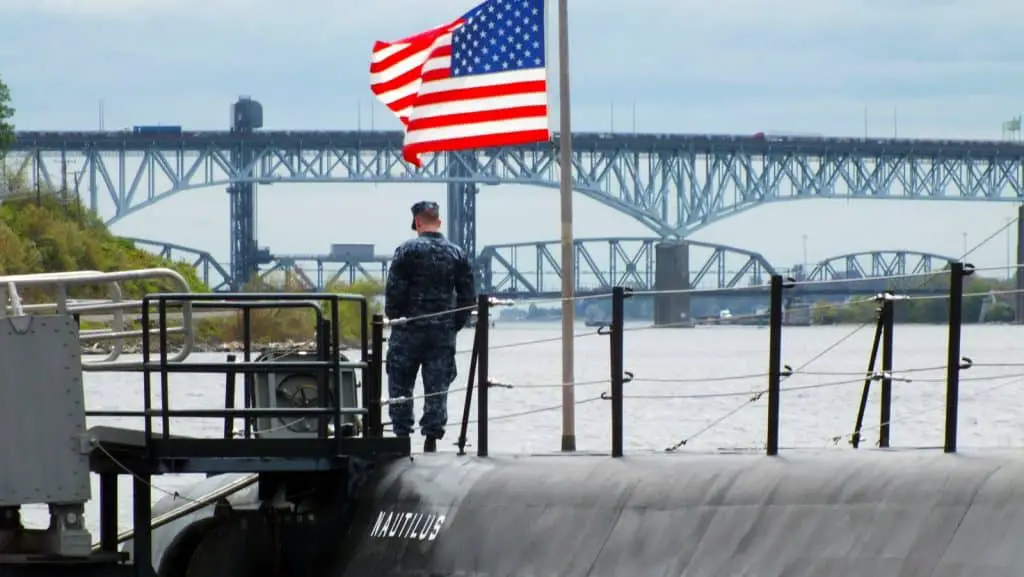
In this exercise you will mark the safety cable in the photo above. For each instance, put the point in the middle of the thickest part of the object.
(95, 443)
(754, 395)
(1016, 378)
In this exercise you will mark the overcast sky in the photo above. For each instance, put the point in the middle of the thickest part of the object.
(950, 69)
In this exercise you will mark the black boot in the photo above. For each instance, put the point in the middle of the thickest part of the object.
(430, 445)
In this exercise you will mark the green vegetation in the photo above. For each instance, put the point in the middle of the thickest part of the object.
(290, 325)
(988, 294)
(48, 234)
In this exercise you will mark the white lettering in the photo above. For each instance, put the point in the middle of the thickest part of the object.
(379, 525)
(438, 523)
(407, 525)
(414, 526)
(395, 522)
(425, 528)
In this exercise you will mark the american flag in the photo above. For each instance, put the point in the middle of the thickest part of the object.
(477, 82)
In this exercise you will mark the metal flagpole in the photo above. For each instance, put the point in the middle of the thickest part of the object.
(568, 260)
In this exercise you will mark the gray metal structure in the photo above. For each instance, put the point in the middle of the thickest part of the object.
(42, 407)
(48, 384)
(44, 400)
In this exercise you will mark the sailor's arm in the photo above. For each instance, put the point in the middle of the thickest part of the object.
(465, 290)
(396, 289)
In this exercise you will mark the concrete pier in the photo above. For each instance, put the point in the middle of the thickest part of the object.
(672, 273)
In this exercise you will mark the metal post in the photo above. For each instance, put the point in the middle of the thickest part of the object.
(142, 517)
(483, 324)
(229, 398)
(165, 376)
(108, 512)
(957, 272)
(248, 384)
(858, 424)
(774, 364)
(374, 383)
(147, 373)
(888, 323)
(334, 372)
(568, 264)
(616, 362)
(464, 426)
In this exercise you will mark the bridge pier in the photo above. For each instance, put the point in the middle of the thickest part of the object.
(671, 273)
(462, 202)
(246, 117)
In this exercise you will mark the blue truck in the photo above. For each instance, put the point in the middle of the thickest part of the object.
(157, 130)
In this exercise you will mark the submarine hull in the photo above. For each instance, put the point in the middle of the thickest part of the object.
(830, 514)
(868, 514)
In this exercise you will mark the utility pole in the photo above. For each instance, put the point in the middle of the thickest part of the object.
(64, 182)
(79, 174)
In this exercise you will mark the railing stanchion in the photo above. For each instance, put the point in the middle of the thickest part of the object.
(617, 365)
(165, 377)
(858, 423)
(464, 427)
(888, 325)
(373, 384)
(774, 363)
(147, 374)
(957, 272)
(229, 398)
(483, 323)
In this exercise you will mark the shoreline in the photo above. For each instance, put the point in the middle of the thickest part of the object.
(200, 348)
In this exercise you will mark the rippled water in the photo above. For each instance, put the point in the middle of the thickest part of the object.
(682, 390)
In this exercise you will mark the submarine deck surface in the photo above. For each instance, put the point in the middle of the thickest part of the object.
(841, 513)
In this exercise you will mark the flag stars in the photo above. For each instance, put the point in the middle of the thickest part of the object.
(499, 35)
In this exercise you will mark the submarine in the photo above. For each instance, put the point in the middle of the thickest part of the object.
(312, 486)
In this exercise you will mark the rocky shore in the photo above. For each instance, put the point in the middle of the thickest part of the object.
(202, 347)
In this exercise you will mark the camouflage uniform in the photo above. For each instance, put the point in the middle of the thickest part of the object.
(428, 275)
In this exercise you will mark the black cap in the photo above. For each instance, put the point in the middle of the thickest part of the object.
(425, 207)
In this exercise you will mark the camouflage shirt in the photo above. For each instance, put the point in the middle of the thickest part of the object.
(429, 275)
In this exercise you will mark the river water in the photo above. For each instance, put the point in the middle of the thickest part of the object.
(693, 384)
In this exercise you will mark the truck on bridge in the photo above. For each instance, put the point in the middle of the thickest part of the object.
(157, 130)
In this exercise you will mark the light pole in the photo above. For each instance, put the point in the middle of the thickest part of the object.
(1009, 248)
(804, 263)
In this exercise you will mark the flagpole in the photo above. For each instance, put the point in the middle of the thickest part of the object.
(568, 260)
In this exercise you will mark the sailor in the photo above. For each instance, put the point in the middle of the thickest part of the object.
(430, 283)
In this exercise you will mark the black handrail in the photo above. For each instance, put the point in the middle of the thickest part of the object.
(483, 329)
(616, 365)
(327, 363)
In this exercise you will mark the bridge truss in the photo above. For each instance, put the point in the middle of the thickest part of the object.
(533, 270)
(209, 270)
(900, 267)
(674, 184)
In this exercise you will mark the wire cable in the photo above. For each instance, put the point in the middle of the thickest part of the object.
(1016, 378)
(756, 395)
(96, 444)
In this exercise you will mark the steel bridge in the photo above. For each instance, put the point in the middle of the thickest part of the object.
(900, 269)
(673, 184)
(532, 270)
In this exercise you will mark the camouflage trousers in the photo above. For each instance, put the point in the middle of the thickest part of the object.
(410, 350)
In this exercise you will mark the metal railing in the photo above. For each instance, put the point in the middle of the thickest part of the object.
(327, 366)
(479, 381)
(119, 309)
